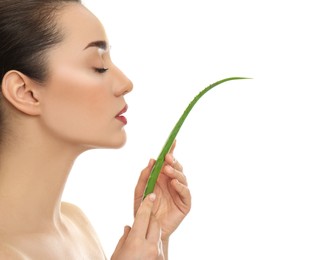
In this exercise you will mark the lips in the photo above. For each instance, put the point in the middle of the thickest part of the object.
(122, 118)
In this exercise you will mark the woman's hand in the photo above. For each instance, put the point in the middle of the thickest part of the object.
(142, 241)
(173, 200)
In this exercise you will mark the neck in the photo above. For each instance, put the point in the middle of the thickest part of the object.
(33, 174)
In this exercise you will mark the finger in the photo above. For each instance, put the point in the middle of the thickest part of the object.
(175, 174)
(177, 165)
(184, 195)
(141, 184)
(174, 169)
(139, 189)
(171, 160)
(123, 238)
(143, 215)
(173, 147)
(154, 230)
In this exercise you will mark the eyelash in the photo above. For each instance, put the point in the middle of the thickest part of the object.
(100, 70)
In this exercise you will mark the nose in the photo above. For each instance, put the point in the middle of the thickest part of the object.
(123, 84)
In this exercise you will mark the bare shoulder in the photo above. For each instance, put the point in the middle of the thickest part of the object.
(74, 213)
(8, 252)
(78, 218)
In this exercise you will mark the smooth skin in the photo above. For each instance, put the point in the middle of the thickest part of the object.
(172, 203)
(48, 126)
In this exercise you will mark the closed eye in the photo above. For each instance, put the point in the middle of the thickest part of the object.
(100, 70)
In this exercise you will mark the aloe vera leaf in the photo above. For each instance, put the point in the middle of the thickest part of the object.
(167, 146)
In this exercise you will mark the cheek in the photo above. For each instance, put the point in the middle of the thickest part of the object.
(76, 104)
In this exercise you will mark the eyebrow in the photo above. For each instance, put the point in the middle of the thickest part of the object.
(98, 44)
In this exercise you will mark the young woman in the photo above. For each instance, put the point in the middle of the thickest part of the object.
(60, 96)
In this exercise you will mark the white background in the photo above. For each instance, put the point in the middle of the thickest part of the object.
(248, 147)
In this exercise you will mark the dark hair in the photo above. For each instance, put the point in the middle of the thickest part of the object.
(28, 28)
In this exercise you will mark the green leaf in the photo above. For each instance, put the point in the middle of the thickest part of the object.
(160, 160)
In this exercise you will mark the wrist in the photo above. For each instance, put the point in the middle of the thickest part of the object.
(165, 244)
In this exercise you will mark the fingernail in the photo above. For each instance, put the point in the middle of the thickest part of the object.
(152, 196)
(174, 160)
(126, 229)
(150, 163)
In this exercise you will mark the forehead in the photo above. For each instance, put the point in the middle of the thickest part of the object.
(79, 26)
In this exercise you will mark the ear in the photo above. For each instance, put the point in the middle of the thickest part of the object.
(21, 92)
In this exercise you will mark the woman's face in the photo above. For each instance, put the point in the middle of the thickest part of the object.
(83, 98)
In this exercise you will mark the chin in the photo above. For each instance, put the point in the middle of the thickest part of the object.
(116, 142)
(114, 145)
(117, 145)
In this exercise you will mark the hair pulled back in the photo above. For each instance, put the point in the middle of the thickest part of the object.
(28, 28)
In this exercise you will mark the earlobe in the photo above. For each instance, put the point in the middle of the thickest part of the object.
(21, 92)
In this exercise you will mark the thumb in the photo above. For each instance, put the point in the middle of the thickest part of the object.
(122, 240)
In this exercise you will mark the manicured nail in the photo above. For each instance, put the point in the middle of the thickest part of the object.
(152, 196)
